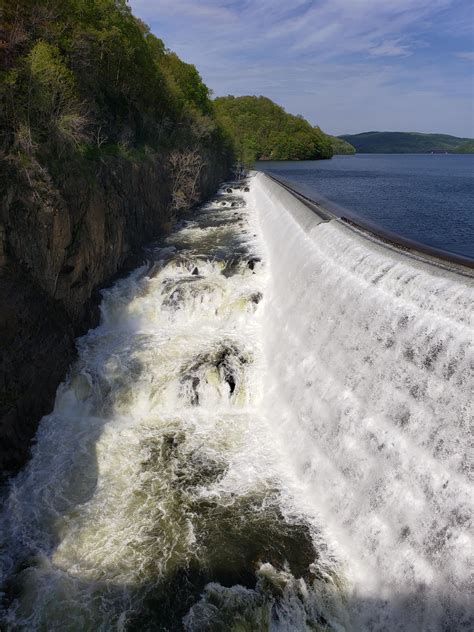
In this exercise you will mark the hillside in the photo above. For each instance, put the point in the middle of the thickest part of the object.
(341, 146)
(466, 147)
(403, 142)
(105, 136)
(262, 130)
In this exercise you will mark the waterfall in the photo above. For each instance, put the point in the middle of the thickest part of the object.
(156, 497)
(268, 431)
(370, 386)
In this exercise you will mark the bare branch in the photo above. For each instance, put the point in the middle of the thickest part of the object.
(186, 167)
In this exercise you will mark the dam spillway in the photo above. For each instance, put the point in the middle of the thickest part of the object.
(268, 430)
(371, 380)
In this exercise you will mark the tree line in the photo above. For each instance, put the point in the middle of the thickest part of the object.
(263, 130)
(81, 80)
(84, 79)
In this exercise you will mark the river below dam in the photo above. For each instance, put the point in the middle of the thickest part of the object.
(269, 430)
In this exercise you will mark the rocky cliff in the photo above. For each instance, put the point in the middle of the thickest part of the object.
(106, 135)
(58, 245)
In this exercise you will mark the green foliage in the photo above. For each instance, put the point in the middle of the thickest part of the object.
(341, 147)
(52, 82)
(403, 142)
(187, 83)
(80, 76)
(465, 148)
(52, 101)
(262, 130)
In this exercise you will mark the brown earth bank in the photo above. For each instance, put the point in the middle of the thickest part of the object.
(59, 244)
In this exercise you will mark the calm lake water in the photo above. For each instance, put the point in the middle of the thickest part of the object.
(429, 198)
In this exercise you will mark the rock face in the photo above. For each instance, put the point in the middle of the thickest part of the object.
(37, 348)
(58, 245)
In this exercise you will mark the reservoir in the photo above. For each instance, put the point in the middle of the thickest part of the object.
(428, 198)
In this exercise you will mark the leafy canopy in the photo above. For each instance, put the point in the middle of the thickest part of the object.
(341, 146)
(262, 130)
(81, 76)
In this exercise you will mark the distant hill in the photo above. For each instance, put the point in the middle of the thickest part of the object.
(341, 147)
(466, 148)
(407, 143)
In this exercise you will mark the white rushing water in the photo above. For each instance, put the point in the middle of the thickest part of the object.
(371, 385)
(156, 497)
(268, 431)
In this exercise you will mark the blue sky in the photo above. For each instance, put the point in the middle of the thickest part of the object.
(347, 65)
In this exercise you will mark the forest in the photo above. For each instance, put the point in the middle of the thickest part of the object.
(81, 80)
(106, 137)
(262, 130)
(341, 146)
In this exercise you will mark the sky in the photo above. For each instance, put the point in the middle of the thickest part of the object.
(347, 65)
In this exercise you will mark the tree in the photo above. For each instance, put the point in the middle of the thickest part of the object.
(262, 129)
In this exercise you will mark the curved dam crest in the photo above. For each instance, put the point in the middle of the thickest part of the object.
(269, 430)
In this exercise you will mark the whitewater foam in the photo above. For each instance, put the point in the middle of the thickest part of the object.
(155, 482)
(370, 384)
(269, 430)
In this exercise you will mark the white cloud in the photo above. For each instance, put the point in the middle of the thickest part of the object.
(390, 49)
(468, 55)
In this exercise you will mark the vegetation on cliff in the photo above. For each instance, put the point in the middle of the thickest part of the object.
(404, 142)
(341, 147)
(262, 130)
(85, 79)
(105, 136)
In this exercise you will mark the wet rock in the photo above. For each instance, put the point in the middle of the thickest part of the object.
(195, 385)
(252, 262)
(195, 272)
(231, 267)
(228, 363)
(229, 378)
(37, 346)
(67, 269)
(170, 444)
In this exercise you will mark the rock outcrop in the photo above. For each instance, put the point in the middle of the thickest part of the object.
(59, 243)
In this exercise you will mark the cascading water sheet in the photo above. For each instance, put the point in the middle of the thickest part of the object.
(370, 386)
(156, 497)
(268, 431)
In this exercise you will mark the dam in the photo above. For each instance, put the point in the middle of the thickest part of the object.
(269, 430)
